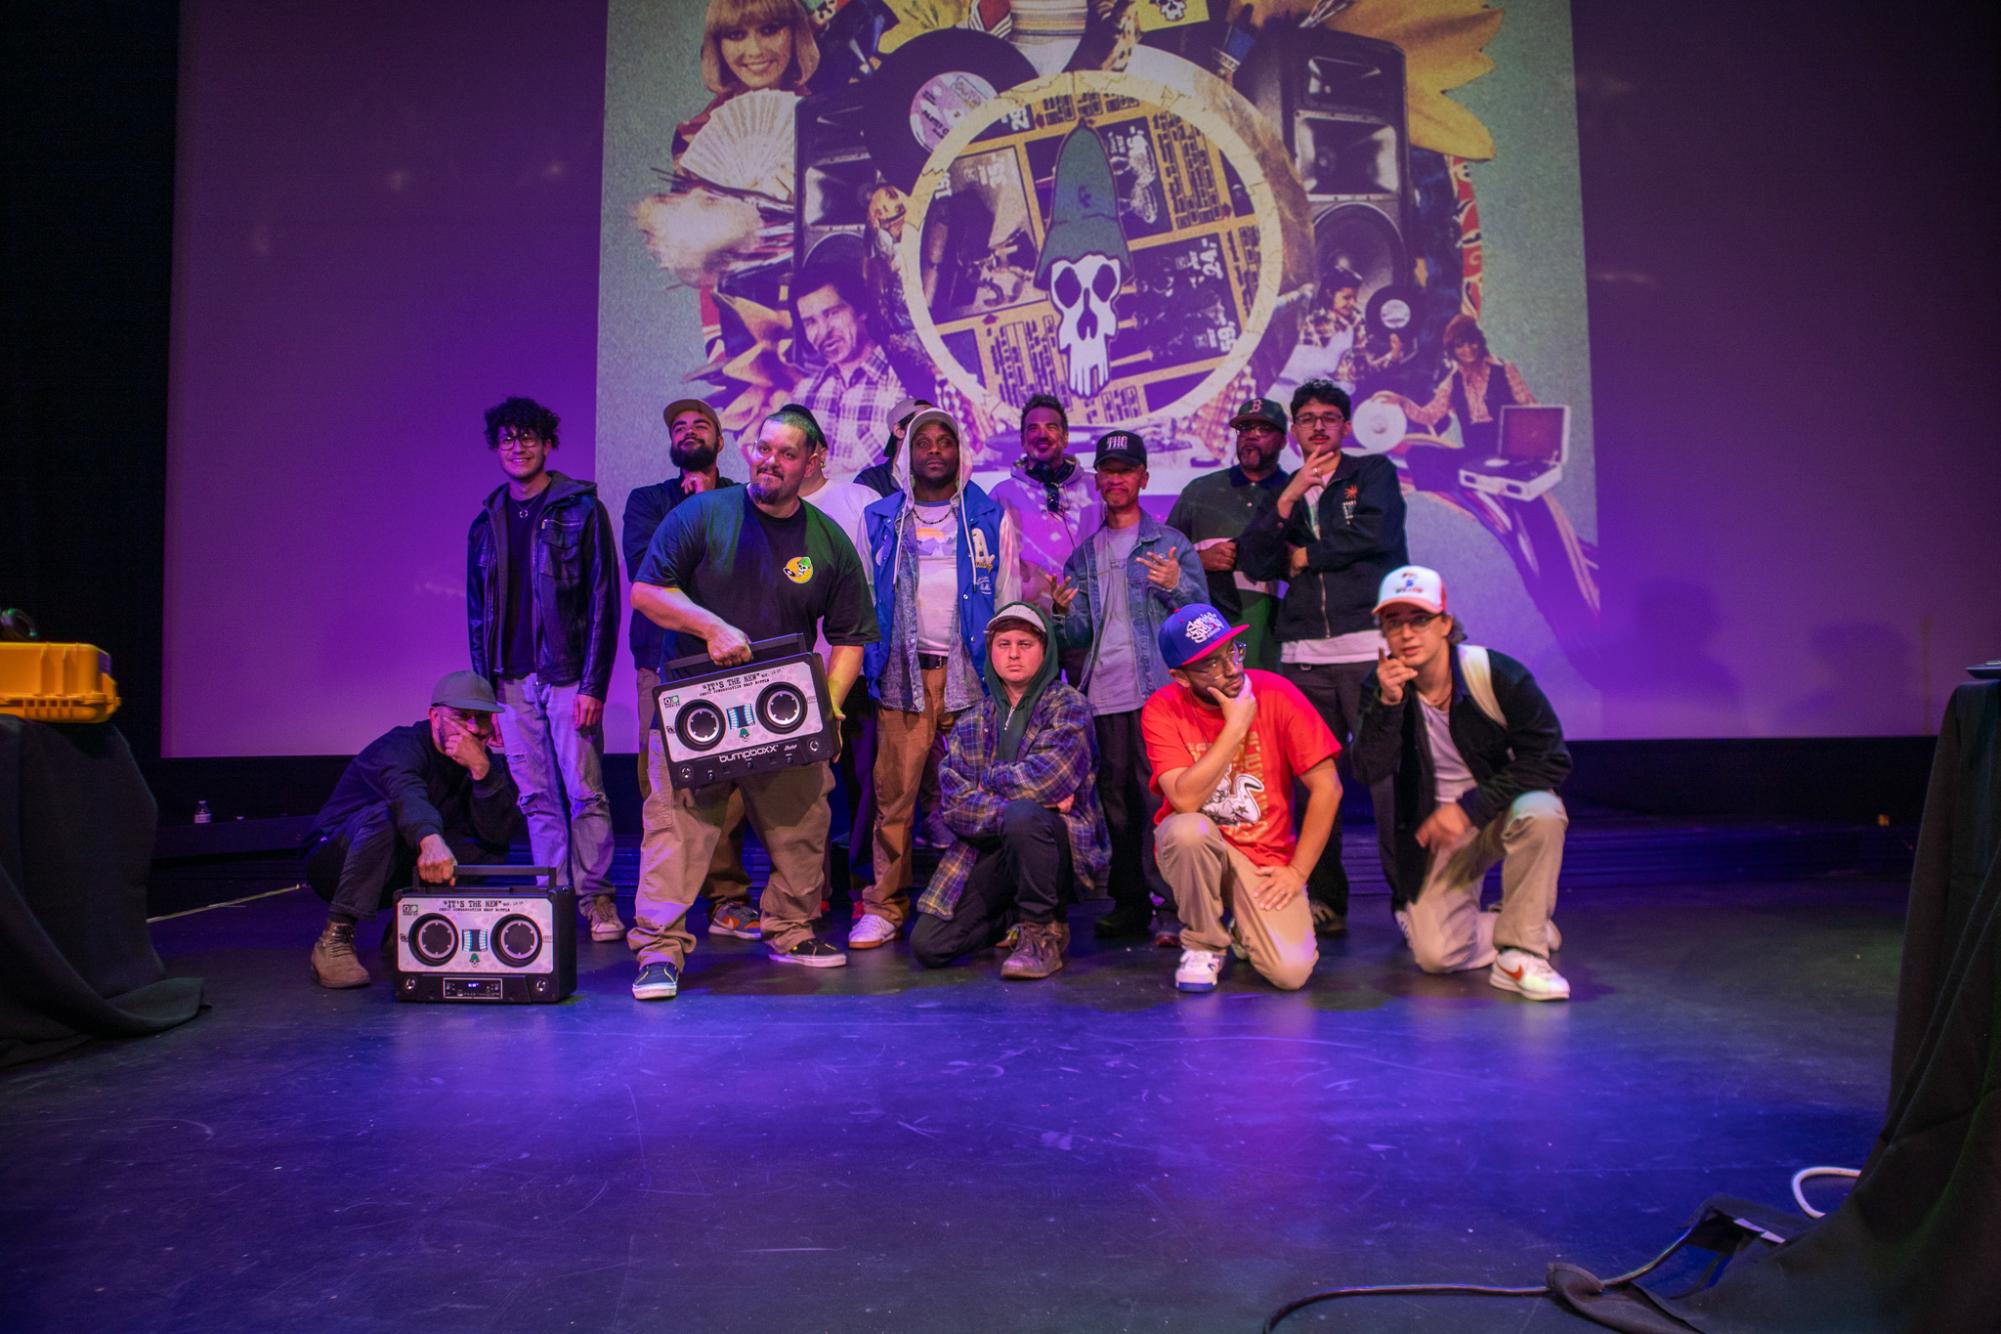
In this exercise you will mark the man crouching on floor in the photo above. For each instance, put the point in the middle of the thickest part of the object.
(1226, 747)
(1018, 787)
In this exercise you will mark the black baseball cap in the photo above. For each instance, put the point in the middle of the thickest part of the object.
(1124, 446)
(1258, 410)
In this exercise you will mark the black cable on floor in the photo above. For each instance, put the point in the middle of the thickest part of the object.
(1466, 1289)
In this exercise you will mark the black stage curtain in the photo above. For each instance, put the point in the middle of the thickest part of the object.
(1914, 1246)
(76, 842)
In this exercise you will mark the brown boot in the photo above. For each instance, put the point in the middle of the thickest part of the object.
(334, 964)
(602, 914)
(1039, 954)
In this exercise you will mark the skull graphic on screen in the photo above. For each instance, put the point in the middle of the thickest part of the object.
(1083, 290)
(1085, 260)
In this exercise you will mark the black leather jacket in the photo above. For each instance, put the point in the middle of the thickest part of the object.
(575, 587)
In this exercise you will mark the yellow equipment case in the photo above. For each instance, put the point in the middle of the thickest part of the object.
(57, 683)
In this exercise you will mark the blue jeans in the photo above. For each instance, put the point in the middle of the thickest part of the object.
(560, 774)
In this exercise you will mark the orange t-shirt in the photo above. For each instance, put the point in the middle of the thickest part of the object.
(1252, 804)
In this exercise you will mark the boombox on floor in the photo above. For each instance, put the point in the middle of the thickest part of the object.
(770, 713)
(512, 944)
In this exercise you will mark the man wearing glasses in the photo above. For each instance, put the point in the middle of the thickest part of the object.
(542, 615)
(1227, 746)
(425, 798)
(1334, 531)
(1474, 755)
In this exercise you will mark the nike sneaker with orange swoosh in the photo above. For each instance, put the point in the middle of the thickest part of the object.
(1528, 975)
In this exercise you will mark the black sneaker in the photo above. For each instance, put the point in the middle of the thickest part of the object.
(1124, 924)
(812, 952)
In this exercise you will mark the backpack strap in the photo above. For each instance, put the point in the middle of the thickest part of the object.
(1479, 676)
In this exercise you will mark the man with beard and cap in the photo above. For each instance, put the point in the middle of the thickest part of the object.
(726, 570)
(421, 799)
(1019, 786)
(854, 768)
(542, 618)
(942, 557)
(1333, 531)
(1119, 585)
(880, 477)
(1213, 511)
(1473, 755)
(1227, 746)
(694, 440)
(1052, 499)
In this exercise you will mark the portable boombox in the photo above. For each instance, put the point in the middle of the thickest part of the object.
(770, 713)
(509, 944)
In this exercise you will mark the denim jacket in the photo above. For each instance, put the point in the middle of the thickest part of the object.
(1150, 605)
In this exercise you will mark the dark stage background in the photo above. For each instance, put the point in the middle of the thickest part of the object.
(1789, 277)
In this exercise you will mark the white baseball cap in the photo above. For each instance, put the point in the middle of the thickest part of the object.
(1415, 585)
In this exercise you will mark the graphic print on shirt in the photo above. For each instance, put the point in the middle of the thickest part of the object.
(1235, 800)
(1238, 801)
(935, 541)
(799, 569)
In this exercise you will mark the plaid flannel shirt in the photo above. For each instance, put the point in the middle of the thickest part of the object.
(1058, 758)
(854, 412)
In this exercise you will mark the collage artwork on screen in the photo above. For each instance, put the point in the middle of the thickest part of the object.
(1154, 217)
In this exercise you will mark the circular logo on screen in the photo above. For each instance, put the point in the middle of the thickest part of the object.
(1113, 238)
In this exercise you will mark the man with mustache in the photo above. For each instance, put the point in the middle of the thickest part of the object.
(1473, 754)
(1333, 531)
(1119, 586)
(694, 440)
(421, 798)
(1213, 511)
(857, 390)
(1052, 498)
(1227, 747)
(942, 558)
(726, 569)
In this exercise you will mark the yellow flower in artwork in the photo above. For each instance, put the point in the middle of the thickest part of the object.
(1441, 42)
(917, 17)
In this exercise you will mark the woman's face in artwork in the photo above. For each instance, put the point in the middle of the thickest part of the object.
(758, 54)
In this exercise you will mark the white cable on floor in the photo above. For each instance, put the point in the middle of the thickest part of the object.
(1806, 1173)
(227, 903)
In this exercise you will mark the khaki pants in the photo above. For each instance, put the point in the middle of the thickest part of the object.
(788, 808)
(1448, 932)
(1210, 877)
(728, 882)
(903, 741)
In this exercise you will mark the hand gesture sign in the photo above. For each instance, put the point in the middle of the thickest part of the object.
(1061, 594)
(1163, 572)
(1392, 675)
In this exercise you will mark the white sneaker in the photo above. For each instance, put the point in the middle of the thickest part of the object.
(1527, 975)
(1199, 970)
(871, 931)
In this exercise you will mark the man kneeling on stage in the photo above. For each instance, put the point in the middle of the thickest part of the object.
(1226, 746)
(423, 797)
(1477, 754)
(1018, 787)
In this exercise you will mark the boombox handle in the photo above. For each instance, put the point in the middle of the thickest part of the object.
(486, 871)
(760, 648)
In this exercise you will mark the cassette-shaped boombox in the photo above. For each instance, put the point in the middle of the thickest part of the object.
(770, 713)
(506, 944)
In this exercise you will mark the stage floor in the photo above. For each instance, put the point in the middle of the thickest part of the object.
(879, 1148)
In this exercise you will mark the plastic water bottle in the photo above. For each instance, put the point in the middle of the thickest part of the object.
(202, 813)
